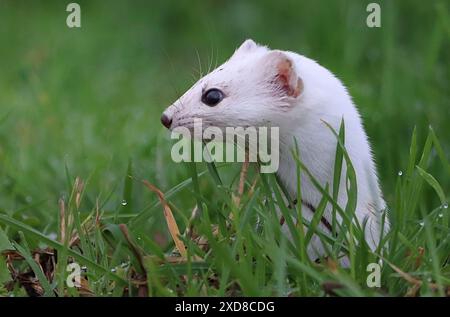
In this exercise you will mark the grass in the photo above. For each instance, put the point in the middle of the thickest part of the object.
(79, 131)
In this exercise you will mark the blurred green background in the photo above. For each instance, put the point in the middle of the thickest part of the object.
(88, 100)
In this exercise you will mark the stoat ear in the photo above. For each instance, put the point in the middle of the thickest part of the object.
(247, 46)
(282, 72)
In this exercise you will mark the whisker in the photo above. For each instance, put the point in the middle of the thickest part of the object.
(199, 63)
(172, 69)
(194, 76)
(211, 59)
(217, 57)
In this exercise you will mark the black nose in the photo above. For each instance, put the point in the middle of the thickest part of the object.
(166, 121)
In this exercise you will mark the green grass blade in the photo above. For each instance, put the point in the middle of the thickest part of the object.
(433, 183)
(59, 247)
(26, 253)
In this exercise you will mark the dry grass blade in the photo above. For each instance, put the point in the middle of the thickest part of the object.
(413, 291)
(62, 217)
(252, 188)
(24, 275)
(407, 277)
(416, 282)
(84, 289)
(242, 177)
(78, 191)
(329, 287)
(190, 232)
(66, 222)
(171, 223)
(419, 258)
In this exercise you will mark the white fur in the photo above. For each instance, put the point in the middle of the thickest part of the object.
(253, 100)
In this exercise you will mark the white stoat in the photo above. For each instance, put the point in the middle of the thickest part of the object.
(258, 87)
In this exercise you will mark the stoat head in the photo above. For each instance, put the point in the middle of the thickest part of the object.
(255, 87)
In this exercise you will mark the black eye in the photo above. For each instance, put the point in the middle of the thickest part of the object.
(212, 97)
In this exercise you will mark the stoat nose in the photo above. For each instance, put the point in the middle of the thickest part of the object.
(166, 120)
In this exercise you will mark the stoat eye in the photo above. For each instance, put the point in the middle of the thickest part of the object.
(212, 97)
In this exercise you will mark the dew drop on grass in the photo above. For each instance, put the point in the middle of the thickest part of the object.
(113, 270)
(124, 202)
(400, 173)
(440, 215)
(422, 223)
(445, 205)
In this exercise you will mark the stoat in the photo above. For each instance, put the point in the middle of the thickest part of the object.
(258, 87)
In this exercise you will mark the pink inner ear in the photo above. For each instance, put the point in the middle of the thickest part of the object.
(291, 84)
